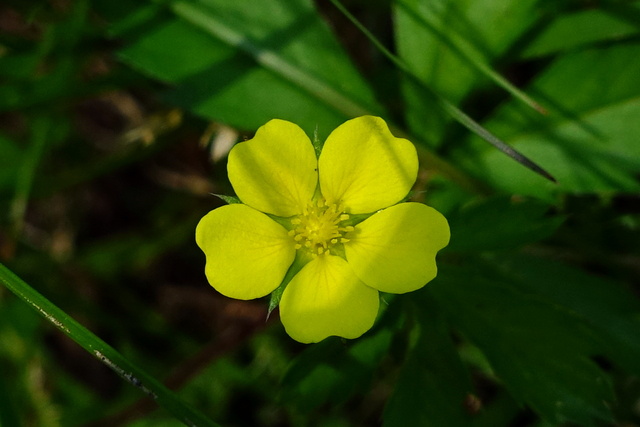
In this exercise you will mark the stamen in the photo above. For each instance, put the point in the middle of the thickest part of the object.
(319, 228)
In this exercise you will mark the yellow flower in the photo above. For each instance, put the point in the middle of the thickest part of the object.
(308, 209)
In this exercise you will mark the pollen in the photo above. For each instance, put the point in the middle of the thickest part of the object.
(319, 227)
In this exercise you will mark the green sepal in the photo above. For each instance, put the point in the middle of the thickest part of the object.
(300, 261)
(285, 222)
(232, 200)
(317, 142)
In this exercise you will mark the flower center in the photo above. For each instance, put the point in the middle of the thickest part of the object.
(319, 227)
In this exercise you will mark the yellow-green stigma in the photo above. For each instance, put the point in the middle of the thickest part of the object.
(319, 227)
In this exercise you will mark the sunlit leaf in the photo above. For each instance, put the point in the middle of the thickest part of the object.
(588, 142)
(583, 28)
(481, 29)
(220, 66)
(425, 90)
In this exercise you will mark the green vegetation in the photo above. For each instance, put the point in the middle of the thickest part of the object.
(115, 120)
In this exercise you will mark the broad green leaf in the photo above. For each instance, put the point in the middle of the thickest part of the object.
(433, 383)
(424, 89)
(539, 350)
(582, 28)
(500, 223)
(608, 307)
(425, 33)
(573, 86)
(285, 64)
(288, 66)
(588, 142)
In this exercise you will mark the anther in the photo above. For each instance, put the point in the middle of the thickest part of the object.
(318, 227)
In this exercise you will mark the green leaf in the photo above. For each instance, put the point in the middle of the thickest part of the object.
(286, 64)
(449, 44)
(611, 310)
(588, 142)
(500, 223)
(424, 89)
(103, 352)
(539, 350)
(582, 28)
(433, 384)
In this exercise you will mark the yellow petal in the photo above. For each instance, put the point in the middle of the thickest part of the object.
(276, 171)
(394, 250)
(364, 167)
(325, 298)
(247, 252)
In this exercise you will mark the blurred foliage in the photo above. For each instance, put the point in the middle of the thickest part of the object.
(115, 118)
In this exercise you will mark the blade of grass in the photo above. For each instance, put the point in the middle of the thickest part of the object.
(202, 18)
(447, 106)
(104, 352)
(459, 47)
